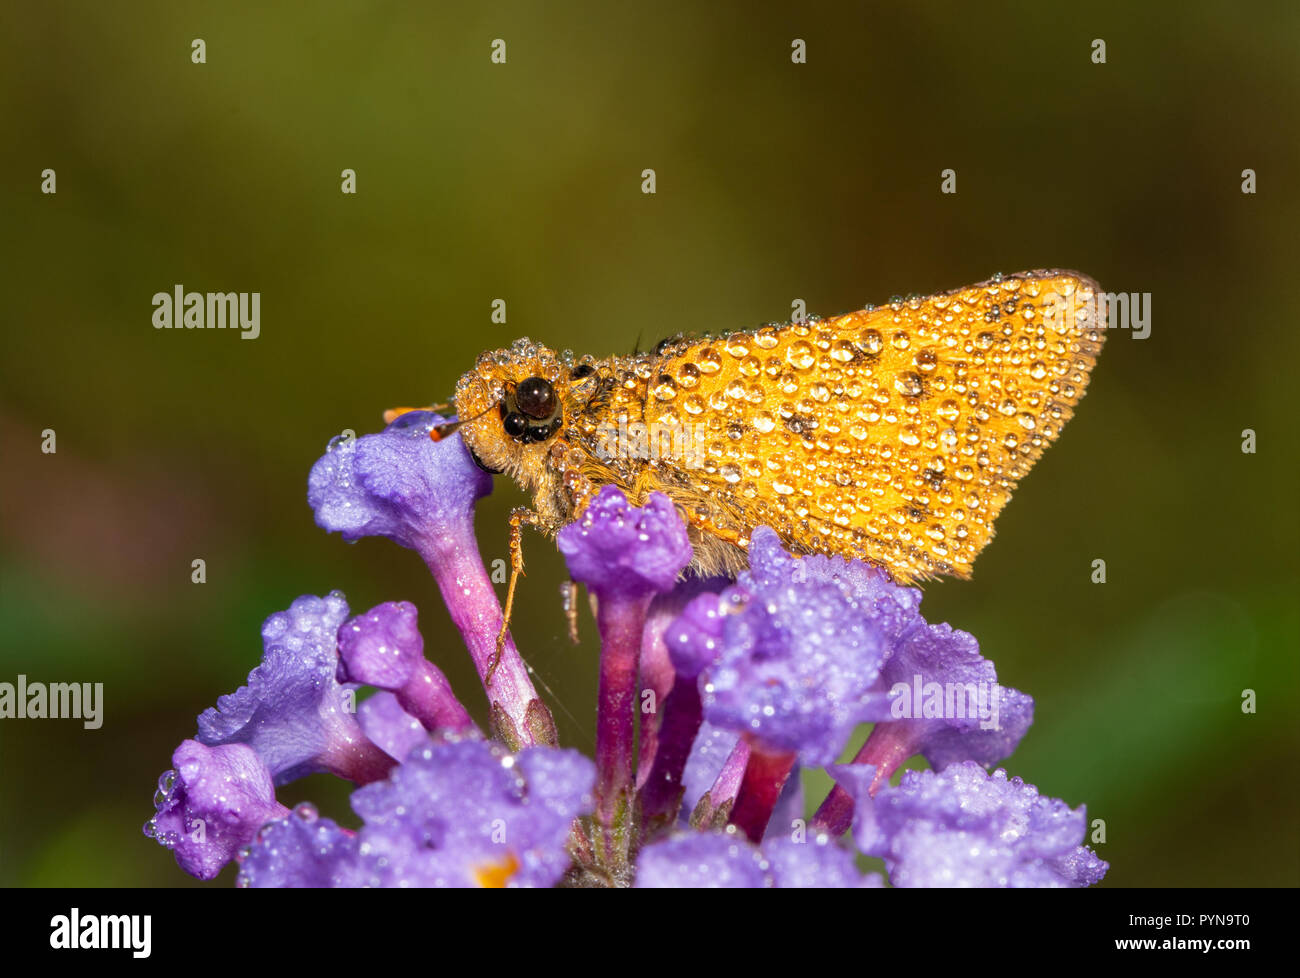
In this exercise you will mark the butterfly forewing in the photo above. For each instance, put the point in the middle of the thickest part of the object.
(896, 433)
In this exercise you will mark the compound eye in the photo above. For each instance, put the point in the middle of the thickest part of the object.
(535, 397)
(515, 424)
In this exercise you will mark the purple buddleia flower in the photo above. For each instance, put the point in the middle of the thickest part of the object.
(400, 484)
(383, 648)
(709, 754)
(394, 730)
(211, 804)
(725, 859)
(300, 850)
(945, 700)
(964, 827)
(796, 660)
(712, 696)
(617, 549)
(625, 555)
(294, 712)
(694, 640)
(986, 721)
(671, 713)
(814, 863)
(893, 609)
(701, 860)
(418, 489)
(469, 813)
(844, 630)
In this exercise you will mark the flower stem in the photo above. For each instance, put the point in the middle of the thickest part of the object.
(666, 734)
(657, 678)
(358, 760)
(467, 590)
(765, 776)
(428, 697)
(621, 620)
(661, 790)
(887, 749)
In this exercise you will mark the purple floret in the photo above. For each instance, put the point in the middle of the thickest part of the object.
(293, 711)
(796, 660)
(469, 814)
(694, 640)
(814, 863)
(400, 483)
(211, 804)
(725, 859)
(892, 608)
(383, 648)
(945, 701)
(708, 755)
(300, 850)
(615, 548)
(418, 489)
(394, 730)
(963, 827)
(701, 860)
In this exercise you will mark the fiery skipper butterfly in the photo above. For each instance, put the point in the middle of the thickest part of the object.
(895, 434)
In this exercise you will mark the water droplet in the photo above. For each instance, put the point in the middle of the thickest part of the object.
(870, 342)
(665, 389)
(800, 355)
(908, 384)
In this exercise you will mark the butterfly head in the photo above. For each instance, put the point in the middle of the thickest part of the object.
(515, 403)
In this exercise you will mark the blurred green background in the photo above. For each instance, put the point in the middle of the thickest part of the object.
(522, 181)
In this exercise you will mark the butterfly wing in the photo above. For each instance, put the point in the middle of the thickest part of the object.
(894, 434)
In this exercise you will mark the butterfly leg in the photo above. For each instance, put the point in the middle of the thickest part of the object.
(518, 517)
